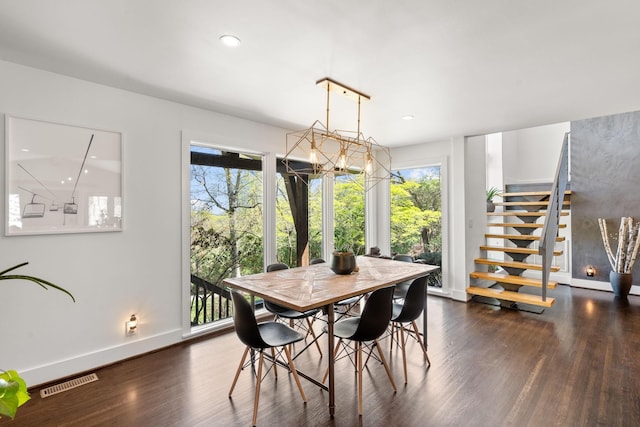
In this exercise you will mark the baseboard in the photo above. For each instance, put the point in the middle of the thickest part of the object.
(600, 286)
(85, 362)
(460, 295)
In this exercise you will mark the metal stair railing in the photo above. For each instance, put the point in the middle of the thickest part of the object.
(552, 220)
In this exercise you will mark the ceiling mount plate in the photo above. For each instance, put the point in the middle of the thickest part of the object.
(334, 86)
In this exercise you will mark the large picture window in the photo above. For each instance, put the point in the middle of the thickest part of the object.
(226, 227)
(416, 216)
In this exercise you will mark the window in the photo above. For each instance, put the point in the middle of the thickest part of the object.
(226, 227)
(349, 215)
(416, 216)
(310, 206)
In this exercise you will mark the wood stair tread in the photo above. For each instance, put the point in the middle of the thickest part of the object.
(520, 225)
(528, 203)
(518, 237)
(523, 213)
(514, 264)
(531, 193)
(514, 280)
(515, 250)
(510, 296)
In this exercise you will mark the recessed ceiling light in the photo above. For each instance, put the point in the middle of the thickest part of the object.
(407, 117)
(229, 40)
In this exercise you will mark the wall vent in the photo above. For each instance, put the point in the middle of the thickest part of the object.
(68, 385)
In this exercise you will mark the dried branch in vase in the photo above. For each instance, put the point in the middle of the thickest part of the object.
(627, 245)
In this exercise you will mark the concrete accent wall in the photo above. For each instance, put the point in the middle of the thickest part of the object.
(605, 173)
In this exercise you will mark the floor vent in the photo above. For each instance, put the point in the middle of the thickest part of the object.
(68, 385)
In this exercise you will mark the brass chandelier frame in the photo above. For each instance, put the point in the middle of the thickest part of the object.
(317, 151)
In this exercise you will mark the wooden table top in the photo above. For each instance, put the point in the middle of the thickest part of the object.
(314, 286)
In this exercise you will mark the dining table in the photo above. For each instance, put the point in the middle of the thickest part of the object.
(317, 286)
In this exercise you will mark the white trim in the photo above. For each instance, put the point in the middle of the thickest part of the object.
(269, 239)
(600, 286)
(98, 358)
(328, 235)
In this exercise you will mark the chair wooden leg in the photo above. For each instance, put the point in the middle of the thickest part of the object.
(313, 334)
(244, 357)
(404, 351)
(256, 399)
(393, 325)
(275, 369)
(359, 357)
(295, 374)
(386, 366)
(424, 348)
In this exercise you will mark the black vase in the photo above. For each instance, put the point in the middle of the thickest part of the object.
(343, 262)
(620, 283)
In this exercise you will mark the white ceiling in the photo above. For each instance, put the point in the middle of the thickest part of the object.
(461, 67)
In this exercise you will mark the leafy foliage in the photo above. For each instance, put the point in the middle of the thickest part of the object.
(44, 283)
(349, 217)
(415, 215)
(493, 192)
(13, 389)
(13, 393)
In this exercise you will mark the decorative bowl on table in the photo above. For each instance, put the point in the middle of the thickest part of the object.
(343, 262)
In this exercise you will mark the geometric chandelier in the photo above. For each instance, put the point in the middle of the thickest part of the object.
(318, 151)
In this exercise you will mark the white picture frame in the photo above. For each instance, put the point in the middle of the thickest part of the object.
(61, 178)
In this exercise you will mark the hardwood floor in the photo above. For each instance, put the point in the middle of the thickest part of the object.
(577, 364)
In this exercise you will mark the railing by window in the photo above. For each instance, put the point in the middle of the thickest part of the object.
(210, 302)
(550, 229)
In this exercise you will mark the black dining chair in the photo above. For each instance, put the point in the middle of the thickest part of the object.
(406, 313)
(402, 287)
(259, 337)
(302, 320)
(365, 330)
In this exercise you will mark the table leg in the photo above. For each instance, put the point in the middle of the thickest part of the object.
(424, 321)
(332, 397)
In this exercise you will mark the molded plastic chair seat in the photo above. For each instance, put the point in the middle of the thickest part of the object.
(275, 334)
(267, 335)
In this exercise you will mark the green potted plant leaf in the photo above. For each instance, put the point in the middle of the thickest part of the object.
(13, 389)
(491, 193)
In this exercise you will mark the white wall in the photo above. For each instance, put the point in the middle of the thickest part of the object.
(531, 155)
(44, 335)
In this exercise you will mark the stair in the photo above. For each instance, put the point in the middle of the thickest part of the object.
(513, 264)
(514, 250)
(518, 237)
(504, 295)
(523, 209)
(507, 278)
(540, 203)
(523, 214)
(520, 225)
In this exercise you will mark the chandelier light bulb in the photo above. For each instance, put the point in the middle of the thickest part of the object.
(368, 166)
(313, 155)
(342, 159)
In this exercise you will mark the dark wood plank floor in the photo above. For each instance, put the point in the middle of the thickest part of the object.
(577, 364)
